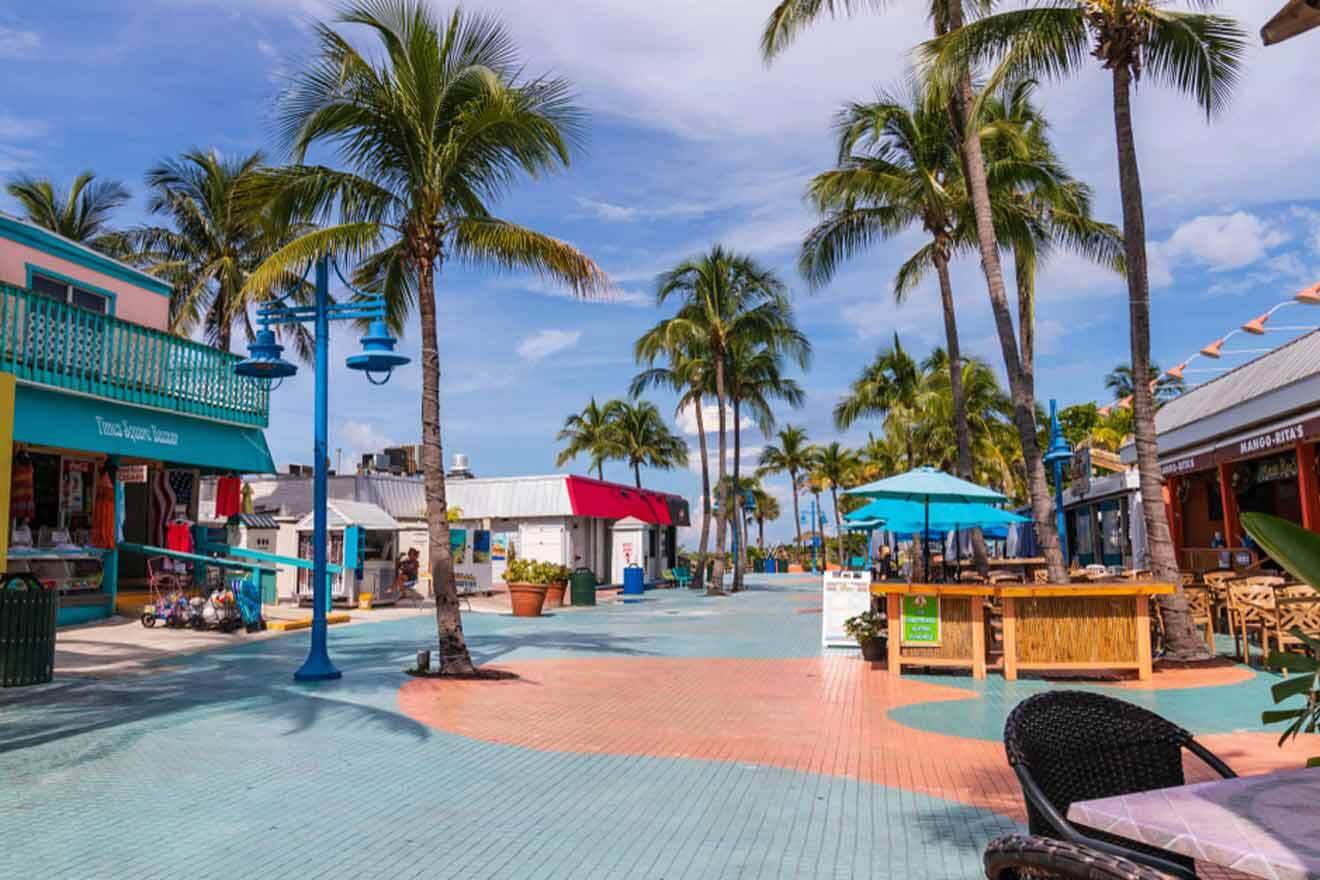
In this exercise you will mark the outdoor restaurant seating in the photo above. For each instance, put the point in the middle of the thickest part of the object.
(1250, 609)
(1201, 605)
(1068, 746)
(1016, 856)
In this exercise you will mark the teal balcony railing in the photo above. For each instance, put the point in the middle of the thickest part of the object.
(74, 349)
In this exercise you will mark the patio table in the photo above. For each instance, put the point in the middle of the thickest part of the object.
(1264, 825)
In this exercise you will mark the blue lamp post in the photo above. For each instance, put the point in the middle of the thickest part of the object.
(264, 362)
(1057, 455)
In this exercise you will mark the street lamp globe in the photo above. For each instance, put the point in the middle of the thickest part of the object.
(378, 354)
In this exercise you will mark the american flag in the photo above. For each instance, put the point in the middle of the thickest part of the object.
(168, 490)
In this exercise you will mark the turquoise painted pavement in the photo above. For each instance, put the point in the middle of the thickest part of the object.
(218, 765)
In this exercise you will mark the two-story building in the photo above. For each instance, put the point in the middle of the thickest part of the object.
(113, 415)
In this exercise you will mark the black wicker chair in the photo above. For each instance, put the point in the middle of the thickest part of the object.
(1016, 857)
(1068, 746)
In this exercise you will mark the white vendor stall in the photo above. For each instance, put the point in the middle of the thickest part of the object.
(368, 538)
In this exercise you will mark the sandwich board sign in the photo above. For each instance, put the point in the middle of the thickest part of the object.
(844, 594)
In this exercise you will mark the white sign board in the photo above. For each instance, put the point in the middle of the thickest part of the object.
(844, 594)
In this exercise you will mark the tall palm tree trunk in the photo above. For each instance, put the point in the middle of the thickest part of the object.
(1181, 639)
(454, 657)
(797, 517)
(760, 533)
(600, 471)
(699, 577)
(1023, 396)
(722, 502)
(736, 509)
(637, 474)
(1024, 272)
(959, 398)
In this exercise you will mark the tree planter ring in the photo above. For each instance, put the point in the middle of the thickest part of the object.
(527, 599)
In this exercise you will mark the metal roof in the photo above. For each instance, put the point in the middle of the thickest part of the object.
(1269, 387)
(510, 497)
(255, 520)
(342, 513)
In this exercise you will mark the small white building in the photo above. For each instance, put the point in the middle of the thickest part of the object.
(564, 519)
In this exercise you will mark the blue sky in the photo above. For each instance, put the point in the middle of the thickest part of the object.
(691, 141)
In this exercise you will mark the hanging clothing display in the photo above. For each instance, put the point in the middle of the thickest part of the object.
(247, 499)
(178, 536)
(22, 489)
(170, 491)
(103, 514)
(228, 497)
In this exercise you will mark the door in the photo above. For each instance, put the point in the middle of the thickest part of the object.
(1085, 535)
(1111, 532)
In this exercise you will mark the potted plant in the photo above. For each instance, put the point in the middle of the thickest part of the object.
(556, 580)
(867, 628)
(526, 588)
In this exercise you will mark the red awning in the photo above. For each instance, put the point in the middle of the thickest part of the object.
(614, 501)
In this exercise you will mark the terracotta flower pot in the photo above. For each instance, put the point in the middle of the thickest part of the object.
(527, 599)
(870, 650)
(554, 593)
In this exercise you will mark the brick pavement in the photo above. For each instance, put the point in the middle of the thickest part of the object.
(683, 737)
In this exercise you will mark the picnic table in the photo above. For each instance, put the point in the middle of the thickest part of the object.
(1259, 825)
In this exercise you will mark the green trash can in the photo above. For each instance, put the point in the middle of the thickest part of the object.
(27, 631)
(582, 587)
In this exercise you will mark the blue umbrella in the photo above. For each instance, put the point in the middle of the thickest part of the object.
(926, 485)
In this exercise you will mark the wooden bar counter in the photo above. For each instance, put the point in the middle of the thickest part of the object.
(961, 642)
(1046, 627)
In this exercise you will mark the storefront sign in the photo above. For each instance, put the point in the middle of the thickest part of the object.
(1187, 465)
(1287, 435)
(921, 621)
(132, 473)
(136, 432)
(844, 594)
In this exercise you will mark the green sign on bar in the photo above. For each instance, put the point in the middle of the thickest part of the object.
(921, 621)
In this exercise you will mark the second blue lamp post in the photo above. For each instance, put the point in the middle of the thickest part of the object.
(1057, 456)
(264, 362)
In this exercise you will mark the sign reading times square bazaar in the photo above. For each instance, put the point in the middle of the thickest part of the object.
(1273, 440)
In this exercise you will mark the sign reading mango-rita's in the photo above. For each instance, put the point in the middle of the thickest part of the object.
(921, 621)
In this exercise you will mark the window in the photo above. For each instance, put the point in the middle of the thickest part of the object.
(66, 292)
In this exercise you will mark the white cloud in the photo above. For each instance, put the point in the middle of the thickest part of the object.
(710, 418)
(544, 343)
(363, 437)
(16, 128)
(1224, 241)
(14, 42)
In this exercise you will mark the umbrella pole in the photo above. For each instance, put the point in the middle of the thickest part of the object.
(925, 542)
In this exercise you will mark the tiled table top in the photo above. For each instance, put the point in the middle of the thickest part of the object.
(1266, 826)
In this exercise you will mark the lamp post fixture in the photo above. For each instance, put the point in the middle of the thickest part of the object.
(1058, 454)
(264, 362)
(1296, 17)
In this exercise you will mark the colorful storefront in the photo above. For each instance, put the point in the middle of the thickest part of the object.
(1246, 441)
(115, 420)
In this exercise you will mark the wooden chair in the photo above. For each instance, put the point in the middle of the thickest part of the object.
(1251, 607)
(1200, 603)
(1297, 607)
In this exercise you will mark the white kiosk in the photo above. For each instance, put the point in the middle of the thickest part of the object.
(368, 538)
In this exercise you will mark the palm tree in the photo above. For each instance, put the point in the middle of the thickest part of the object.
(815, 483)
(836, 466)
(638, 435)
(767, 509)
(725, 297)
(430, 130)
(889, 387)
(755, 382)
(687, 376)
(1119, 383)
(791, 455)
(216, 240)
(786, 21)
(587, 432)
(898, 168)
(1197, 53)
(82, 214)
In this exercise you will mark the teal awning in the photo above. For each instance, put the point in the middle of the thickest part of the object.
(90, 424)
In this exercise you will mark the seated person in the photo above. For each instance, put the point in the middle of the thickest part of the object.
(406, 574)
